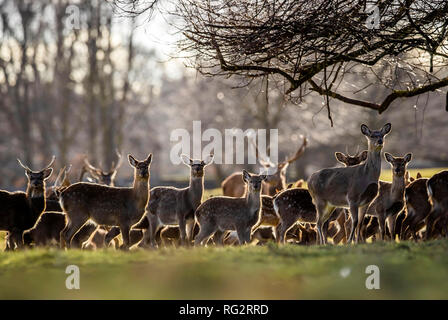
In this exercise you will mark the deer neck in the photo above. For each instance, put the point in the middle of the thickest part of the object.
(372, 165)
(195, 189)
(253, 198)
(140, 189)
(398, 186)
(36, 199)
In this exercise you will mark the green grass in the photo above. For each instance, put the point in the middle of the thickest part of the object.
(408, 270)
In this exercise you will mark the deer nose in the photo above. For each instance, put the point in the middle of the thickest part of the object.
(380, 141)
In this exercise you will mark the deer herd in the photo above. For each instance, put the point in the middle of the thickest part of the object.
(341, 204)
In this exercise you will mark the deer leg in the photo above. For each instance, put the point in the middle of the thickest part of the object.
(149, 236)
(206, 231)
(15, 239)
(283, 228)
(242, 232)
(382, 225)
(189, 229)
(390, 221)
(322, 216)
(182, 229)
(111, 235)
(71, 229)
(125, 228)
(219, 237)
(354, 216)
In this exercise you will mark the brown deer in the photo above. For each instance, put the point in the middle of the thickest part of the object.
(174, 206)
(19, 210)
(349, 187)
(417, 209)
(101, 176)
(390, 199)
(220, 214)
(233, 185)
(296, 205)
(105, 205)
(438, 197)
(46, 231)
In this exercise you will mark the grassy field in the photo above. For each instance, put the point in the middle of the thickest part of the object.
(407, 270)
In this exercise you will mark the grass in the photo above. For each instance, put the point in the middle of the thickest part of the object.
(407, 271)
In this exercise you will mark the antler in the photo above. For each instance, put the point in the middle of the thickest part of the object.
(263, 161)
(59, 176)
(119, 162)
(23, 166)
(28, 168)
(299, 152)
(90, 167)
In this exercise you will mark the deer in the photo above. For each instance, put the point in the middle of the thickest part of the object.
(19, 210)
(222, 213)
(47, 230)
(52, 193)
(296, 205)
(417, 209)
(101, 176)
(106, 205)
(349, 187)
(390, 199)
(233, 186)
(437, 187)
(174, 206)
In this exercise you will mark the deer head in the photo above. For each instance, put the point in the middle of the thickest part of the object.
(253, 181)
(375, 138)
(278, 178)
(36, 179)
(101, 176)
(141, 168)
(398, 164)
(197, 166)
(350, 160)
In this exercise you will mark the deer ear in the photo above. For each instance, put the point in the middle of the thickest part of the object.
(363, 156)
(132, 161)
(419, 175)
(246, 176)
(340, 157)
(408, 157)
(149, 159)
(388, 157)
(185, 159)
(386, 128)
(365, 130)
(209, 159)
(47, 173)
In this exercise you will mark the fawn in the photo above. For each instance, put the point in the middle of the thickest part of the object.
(417, 209)
(105, 205)
(174, 206)
(438, 197)
(219, 214)
(390, 199)
(20, 210)
(349, 187)
(233, 185)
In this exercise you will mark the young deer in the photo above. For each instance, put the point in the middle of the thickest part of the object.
(417, 209)
(110, 206)
(438, 197)
(99, 175)
(174, 206)
(19, 210)
(219, 214)
(296, 205)
(349, 187)
(233, 185)
(390, 199)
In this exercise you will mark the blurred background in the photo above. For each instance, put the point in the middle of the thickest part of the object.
(113, 84)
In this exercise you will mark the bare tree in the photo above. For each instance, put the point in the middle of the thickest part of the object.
(313, 45)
